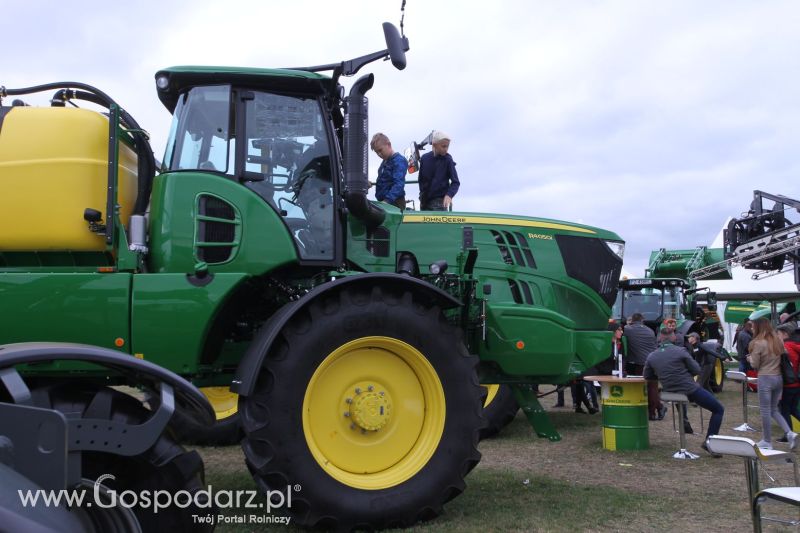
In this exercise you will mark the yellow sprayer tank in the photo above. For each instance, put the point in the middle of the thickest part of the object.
(53, 165)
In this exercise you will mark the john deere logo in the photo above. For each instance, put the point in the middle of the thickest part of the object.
(616, 391)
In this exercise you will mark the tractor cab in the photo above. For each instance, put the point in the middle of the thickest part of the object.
(656, 300)
(277, 145)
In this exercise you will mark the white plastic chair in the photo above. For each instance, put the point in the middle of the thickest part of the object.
(752, 454)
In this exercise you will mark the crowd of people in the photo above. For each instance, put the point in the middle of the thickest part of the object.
(678, 363)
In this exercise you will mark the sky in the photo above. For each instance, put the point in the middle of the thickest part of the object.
(655, 120)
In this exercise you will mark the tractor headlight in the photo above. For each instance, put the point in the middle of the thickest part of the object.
(438, 267)
(162, 82)
(617, 247)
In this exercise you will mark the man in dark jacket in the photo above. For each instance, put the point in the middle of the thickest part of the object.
(675, 369)
(641, 342)
(742, 341)
(438, 179)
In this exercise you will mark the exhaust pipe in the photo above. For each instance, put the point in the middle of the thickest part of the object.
(356, 184)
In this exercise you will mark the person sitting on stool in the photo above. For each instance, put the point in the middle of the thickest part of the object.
(675, 368)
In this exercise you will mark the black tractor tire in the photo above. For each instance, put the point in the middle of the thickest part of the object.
(343, 351)
(164, 466)
(499, 410)
(226, 430)
(717, 379)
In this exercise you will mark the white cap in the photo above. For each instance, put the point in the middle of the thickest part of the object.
(439, 136)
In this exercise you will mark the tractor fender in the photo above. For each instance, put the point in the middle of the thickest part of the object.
(246, 373)
(138, 371)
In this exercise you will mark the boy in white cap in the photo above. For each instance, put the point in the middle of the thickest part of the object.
(438, 179)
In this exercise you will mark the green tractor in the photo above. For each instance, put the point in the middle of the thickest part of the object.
(356, 336)
(667, 291)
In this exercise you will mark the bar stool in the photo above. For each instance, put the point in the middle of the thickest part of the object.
(752, 455)
(744, 379)
(788, 495)
(679, 403)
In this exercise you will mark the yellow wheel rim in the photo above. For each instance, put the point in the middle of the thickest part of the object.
(491, 392)
(374, 413)
(718, 370)
(224, 402)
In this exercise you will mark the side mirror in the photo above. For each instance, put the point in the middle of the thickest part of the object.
(693, 309)
(711, 300)
(396, 45)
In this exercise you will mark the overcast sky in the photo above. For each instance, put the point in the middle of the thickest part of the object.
(652, 119)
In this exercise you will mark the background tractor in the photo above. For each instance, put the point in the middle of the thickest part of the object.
(355, 336)
(668, 291)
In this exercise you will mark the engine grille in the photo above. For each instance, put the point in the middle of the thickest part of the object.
(592, 262)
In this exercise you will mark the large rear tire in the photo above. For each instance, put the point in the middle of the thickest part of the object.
(499, 409)
(370, 403)
(226, 429)
(165, 466)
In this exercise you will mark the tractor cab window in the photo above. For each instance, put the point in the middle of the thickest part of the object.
(645, 301)
(673, 299)
(287, 163)
(200, 137)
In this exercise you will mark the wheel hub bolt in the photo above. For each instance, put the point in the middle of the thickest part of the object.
(358, 390)
(370, 388)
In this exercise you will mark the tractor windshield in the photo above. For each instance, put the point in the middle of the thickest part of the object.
(655, 304)
(645, 301)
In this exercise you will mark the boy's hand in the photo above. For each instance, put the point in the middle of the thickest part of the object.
(446, 202)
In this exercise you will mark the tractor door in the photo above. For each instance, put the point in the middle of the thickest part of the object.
(286, 159)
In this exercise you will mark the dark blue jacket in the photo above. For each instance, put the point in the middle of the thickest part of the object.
(437, 176)
(391, 181)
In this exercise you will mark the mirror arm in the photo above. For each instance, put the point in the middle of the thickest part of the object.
(349, 67)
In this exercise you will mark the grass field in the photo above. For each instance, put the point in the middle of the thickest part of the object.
(524, 483)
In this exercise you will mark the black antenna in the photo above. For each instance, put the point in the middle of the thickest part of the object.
(402, 16)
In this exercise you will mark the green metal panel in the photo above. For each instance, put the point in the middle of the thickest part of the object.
(736, 311)
(170, 317)
(90, 308)
(547, 340)
(263, 242)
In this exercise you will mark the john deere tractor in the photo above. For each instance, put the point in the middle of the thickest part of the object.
(668, 291)
(356, 336)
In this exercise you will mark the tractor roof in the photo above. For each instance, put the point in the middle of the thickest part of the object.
(183, 78)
